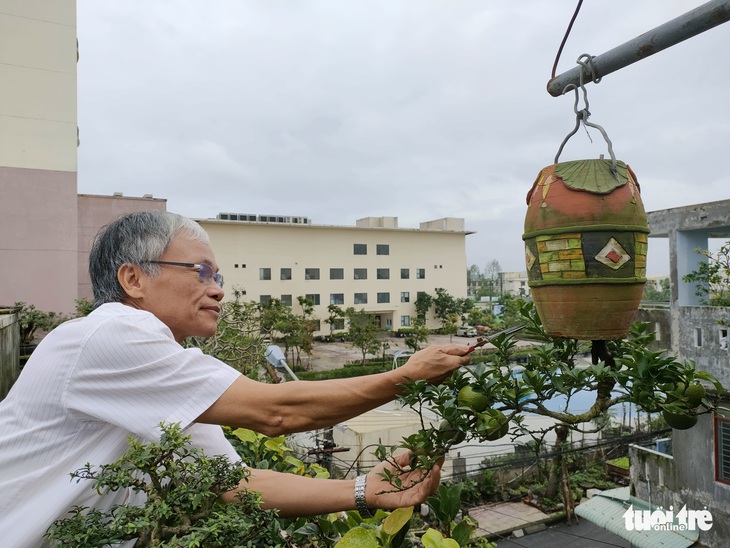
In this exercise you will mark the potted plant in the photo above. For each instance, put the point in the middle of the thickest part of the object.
(31, 320)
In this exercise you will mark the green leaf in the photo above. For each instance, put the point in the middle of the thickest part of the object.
(359, 537)
(246, 435)
(462, 532)
(434, 539)
(397, 519)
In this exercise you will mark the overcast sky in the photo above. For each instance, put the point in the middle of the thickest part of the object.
(420, 109)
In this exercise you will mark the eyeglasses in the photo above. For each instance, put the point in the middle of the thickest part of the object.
(205, 271)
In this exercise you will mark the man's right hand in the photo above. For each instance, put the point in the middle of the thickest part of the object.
(436, 363)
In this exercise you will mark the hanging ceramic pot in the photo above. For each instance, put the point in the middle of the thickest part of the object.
(585, 248)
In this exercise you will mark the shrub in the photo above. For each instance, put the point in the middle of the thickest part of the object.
(31, 320)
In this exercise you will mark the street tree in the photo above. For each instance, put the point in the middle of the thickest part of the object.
(423, 304)
(492, 273)
(418, 333)
(335, 314)
(363, 332)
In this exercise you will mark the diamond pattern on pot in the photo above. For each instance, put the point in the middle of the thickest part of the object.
(529, 257)
(613, 255)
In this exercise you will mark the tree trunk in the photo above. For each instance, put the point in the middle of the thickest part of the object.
(556, 470)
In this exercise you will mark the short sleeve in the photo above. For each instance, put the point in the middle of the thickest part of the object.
(131, 373)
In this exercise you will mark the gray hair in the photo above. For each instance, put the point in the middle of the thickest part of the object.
(134, 238)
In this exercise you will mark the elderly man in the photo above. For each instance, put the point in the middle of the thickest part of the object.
(121, 371)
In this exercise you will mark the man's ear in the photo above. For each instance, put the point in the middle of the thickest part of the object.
(131, 278)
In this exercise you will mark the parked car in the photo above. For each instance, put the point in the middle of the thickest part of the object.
(466, 331)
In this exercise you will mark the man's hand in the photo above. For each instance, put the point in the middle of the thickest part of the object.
(418, 484)
(435, 363)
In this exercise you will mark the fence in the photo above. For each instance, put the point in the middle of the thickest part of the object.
(9, 349)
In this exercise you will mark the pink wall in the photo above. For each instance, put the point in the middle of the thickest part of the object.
(38, 238)
(46, 231)
(95, 212)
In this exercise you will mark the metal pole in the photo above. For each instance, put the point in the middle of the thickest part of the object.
(705, 17)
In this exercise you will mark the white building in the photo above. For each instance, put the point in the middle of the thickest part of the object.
(374, 265)
(514, 283)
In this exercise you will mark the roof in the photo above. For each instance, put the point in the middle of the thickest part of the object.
(383, 419)
(607, 510)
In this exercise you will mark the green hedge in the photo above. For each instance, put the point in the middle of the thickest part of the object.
(342, 373)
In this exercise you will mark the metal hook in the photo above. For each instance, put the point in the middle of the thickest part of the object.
(582, 115)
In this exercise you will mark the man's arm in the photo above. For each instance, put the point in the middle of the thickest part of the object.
(296, 495)
(275, 409)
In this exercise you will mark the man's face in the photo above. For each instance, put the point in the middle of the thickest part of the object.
(178, 297)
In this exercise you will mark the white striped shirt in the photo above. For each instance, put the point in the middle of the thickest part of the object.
(89, 385)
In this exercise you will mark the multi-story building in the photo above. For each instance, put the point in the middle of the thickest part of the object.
(38, 139)
(514, 283)
(375, 265)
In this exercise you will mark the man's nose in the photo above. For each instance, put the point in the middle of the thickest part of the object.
(216, 292)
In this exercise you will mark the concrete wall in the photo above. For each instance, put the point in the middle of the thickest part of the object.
(9, 350)
(691, 332)
(38, 238)
(686, 478)
(699, 339)
(660, 321)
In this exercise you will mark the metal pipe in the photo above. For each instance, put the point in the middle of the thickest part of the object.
(700, 19)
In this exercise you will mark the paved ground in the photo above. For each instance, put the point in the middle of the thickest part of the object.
(333, 355)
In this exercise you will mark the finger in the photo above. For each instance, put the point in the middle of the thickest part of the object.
(456, 349)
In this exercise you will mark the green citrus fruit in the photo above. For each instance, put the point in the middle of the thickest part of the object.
(452, 434)
(474, 400)
(679, 421)
(694, 394)
(492, 425)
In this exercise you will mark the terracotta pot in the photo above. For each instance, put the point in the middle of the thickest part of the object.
(585, 248)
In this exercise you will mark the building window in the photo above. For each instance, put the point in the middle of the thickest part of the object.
(405, 273)
(383, 298)
(264, 273)
(383, 273)
(405, 296)
(286, 300)
(723, 339)
(286, 273)
(405, 321)
(235, 265)
(361, 298)
(360, 249)
(361, 273)
(420, 273)
(337, 273)
(311, 273)
(722, 449)
(698, 337)
(339, 323)
(313, 298)
(264, 300)
(317, 325)
(382, 249)
(337, 298)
